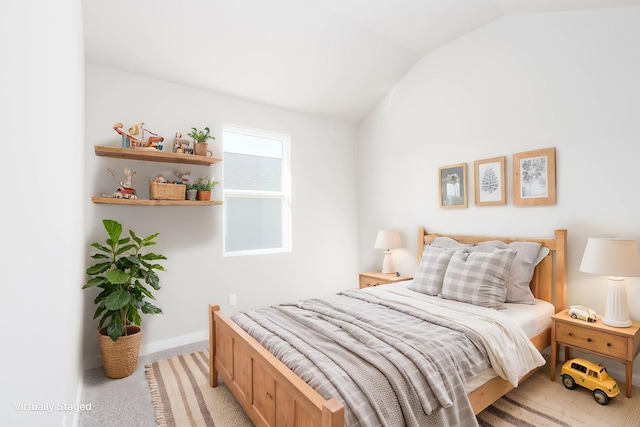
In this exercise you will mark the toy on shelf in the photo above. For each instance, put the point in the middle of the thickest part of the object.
(129, 140)
(590, 376)
(182, 145)
(125, 190)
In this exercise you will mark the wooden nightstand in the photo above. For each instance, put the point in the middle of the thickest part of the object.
(375, 278)
(620, 344)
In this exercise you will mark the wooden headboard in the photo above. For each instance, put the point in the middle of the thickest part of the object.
(549, 282)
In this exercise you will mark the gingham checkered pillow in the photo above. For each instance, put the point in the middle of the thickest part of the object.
(430, 274)
(478, 278)
(528, 255)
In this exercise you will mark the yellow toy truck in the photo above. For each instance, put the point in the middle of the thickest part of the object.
(590, 376)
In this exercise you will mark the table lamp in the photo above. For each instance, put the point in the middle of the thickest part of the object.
(387, 239)
(616, 258)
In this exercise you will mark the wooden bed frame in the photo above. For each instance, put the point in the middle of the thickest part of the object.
(273, 395)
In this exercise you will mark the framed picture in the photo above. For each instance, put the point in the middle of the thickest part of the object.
(489, 181)
(534, 177)
(453, 186)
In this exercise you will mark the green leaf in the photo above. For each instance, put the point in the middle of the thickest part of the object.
(123, 249)
(151, 256)
(114, 228)
(96, 281)
(149, 308)
(98, 312)
(117, 277)
(99, 268)
(117, 300)
(115, 329)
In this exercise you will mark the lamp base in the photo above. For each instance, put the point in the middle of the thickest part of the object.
(387, 263)
(617, 311)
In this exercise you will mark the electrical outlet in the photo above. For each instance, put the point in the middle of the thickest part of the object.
(232, 299)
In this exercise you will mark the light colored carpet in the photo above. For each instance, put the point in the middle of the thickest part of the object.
(182, 396)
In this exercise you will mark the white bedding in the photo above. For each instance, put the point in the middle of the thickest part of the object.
(529, 319)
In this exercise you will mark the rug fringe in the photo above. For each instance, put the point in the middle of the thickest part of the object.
(156, 397)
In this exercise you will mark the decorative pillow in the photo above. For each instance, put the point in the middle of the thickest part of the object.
(528, 255)
(430, 274)
(478, 277)
(448, 242)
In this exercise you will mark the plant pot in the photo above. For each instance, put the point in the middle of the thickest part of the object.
(202, 149)
(203, 195)
(120, 357)
(191, 194)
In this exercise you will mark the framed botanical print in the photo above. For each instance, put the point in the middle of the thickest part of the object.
(453, 186)
(534, 177)
(489, 181)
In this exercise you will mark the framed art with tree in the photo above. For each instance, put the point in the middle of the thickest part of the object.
(490, 182)
(534, 177)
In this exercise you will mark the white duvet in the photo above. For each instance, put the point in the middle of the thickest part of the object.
(511, 353)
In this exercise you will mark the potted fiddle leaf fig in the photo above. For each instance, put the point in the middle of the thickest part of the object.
(200, 137)
(124, 272)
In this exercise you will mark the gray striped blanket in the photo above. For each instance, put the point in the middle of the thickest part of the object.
(387, 363)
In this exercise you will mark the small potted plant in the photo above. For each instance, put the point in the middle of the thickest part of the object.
(122, 272)
(200, 138)
(204, 186)
(192, 190)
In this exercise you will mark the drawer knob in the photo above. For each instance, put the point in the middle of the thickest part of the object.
(608, 344)
(588, 339)
(570, 334)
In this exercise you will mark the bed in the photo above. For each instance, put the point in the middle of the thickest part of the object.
(272, 394)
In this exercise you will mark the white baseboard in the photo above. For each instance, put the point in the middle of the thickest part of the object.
(154, 347)
(167, 344)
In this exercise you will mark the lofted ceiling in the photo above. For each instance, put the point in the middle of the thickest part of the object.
(330, 58)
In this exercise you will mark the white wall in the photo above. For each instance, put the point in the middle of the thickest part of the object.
(565, 80)
(43, 200)
(324, 200)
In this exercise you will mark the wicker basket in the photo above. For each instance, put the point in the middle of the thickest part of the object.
(120, 357)
(167, 191)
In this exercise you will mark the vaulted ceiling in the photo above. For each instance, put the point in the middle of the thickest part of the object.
(330, 58)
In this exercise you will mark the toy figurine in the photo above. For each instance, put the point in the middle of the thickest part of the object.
(138, 129)
(590, 376)
(125, 190)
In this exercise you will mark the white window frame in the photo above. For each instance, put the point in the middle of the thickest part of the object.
(284, 194)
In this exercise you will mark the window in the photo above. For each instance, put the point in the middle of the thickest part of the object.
(257, 196)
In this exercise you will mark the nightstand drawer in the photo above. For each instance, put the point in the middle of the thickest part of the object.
(365, 282)
(589, 339)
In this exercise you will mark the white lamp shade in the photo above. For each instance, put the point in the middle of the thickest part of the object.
(388, 239)
(611, 257)
(616, 258)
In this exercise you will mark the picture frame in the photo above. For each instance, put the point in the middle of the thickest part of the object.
(489, 181)
(453, 186)
(534, 177)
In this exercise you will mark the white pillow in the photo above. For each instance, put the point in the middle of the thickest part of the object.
(430, 274)
(478, 277)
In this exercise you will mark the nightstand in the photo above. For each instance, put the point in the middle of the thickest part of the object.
(619, 344)
(375, 278)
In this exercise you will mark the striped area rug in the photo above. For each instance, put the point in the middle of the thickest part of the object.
(182, 396)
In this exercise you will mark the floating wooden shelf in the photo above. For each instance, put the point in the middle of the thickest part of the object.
(145, 202)
(150, 155)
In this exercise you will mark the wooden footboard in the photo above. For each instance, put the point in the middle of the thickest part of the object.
(270, 393)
